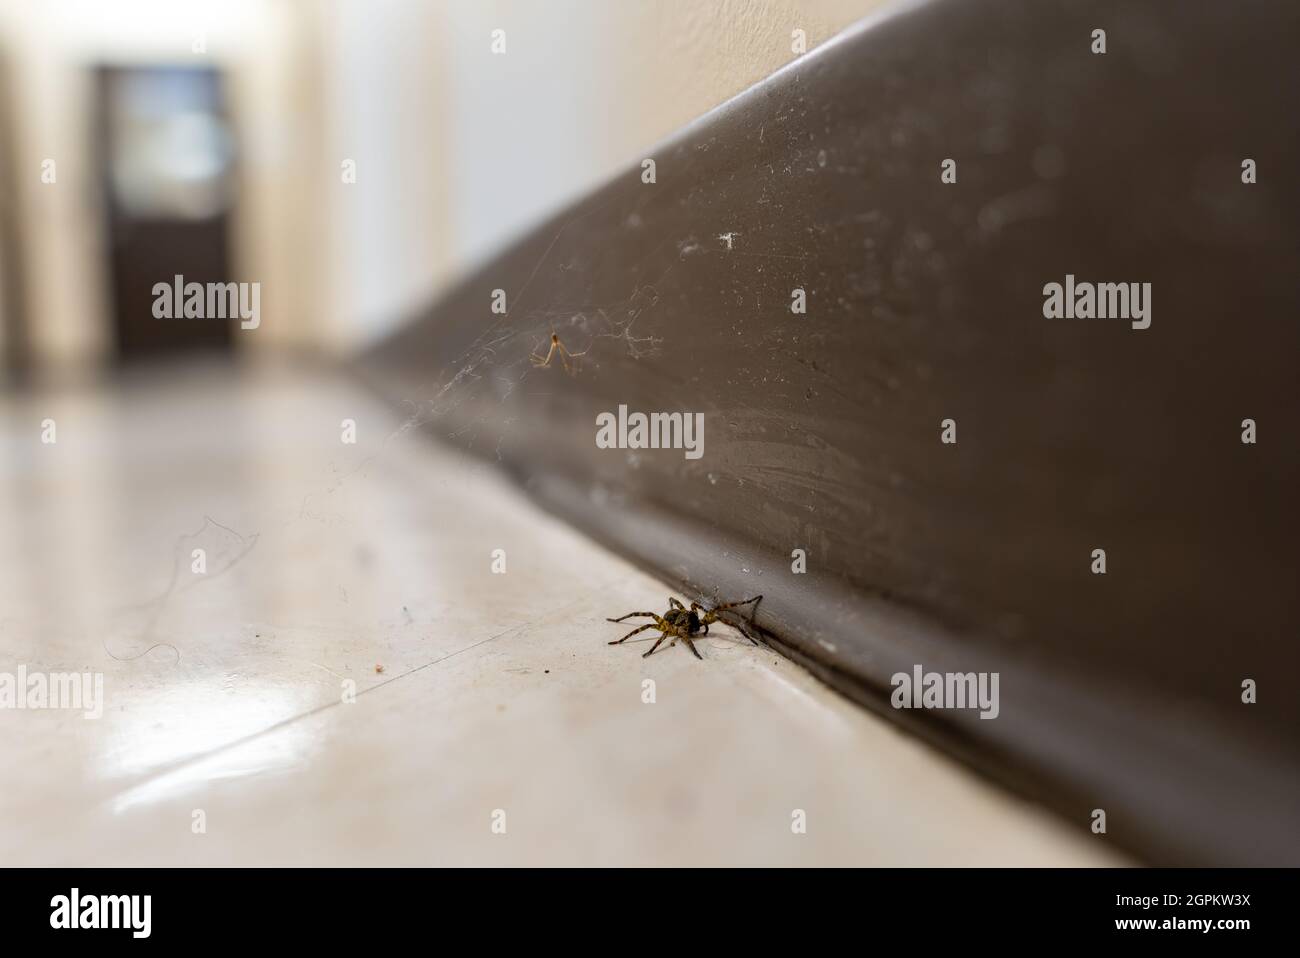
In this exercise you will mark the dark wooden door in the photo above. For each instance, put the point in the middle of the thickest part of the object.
(167, 155)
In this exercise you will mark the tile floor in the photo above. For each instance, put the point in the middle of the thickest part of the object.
(498, 703)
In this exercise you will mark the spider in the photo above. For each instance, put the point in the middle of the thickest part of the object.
(685, 624)
(542, 362)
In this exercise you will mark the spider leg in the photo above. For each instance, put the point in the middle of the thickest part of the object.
(732, 605)
(674, 603)
(565, 356)
(691, 645)
(538, 361)
(650, 615)
(656, 645)
(744, 631)
(648, 625)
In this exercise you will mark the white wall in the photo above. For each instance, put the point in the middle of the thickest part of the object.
(383, 80)
(587, 85)
(464, 148)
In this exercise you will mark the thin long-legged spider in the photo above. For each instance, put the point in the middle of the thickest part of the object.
(679, 622)
(557, 346)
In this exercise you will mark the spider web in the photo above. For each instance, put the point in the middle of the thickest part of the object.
(496, 363)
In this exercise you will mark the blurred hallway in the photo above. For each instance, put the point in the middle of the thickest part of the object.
(366, 153)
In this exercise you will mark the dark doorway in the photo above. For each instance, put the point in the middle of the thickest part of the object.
(166, 159)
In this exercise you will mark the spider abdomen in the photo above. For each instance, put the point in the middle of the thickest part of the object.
(683, 619)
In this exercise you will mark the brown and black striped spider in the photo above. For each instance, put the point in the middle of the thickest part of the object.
(682, 623)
